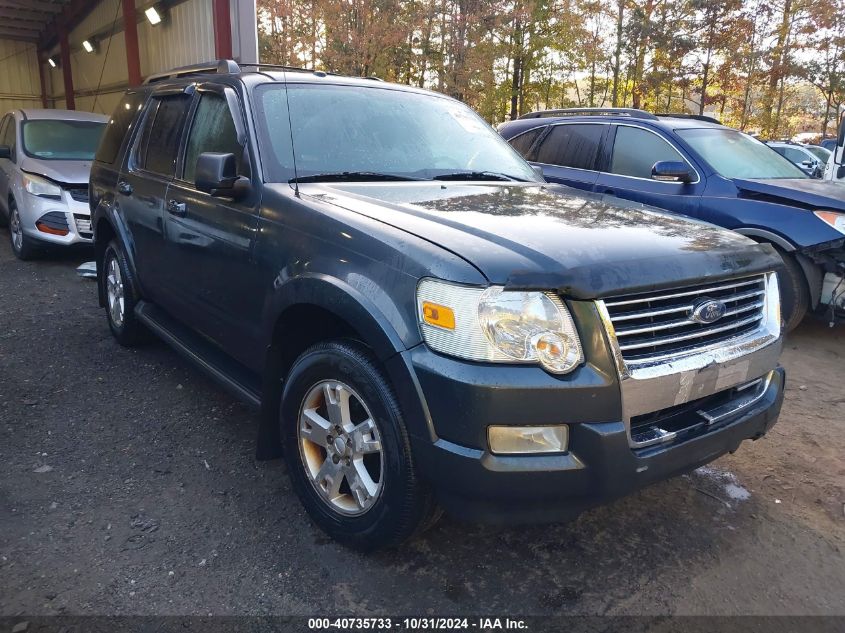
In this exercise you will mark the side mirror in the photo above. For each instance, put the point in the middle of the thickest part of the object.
(539, 171)
(671, 171)
(5, 151)
(807, 163)
(217, 175)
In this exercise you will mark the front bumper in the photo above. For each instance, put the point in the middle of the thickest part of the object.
(75, 213)
(601, 465)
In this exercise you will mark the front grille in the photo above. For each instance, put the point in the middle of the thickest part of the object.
(80, 194)
(83, 225)
(693, 418)
(658, 325)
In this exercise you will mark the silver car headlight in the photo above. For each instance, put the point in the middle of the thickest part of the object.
(38, 186)
(497, 325)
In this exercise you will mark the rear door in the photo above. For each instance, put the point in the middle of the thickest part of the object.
(568, 153)
(210, 239)
(142, 187)
(627, 175)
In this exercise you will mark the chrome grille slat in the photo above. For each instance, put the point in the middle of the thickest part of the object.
(689, 293)
(681, 322)
(651, 327)
(686, 337)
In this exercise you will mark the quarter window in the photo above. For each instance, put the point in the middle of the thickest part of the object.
(636, 151)
(159, 141)
(525, 141)
(213, 130)
(571, 145)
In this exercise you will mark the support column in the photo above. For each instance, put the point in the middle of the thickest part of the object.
(40, 59)
(222, 29)
(67, 73)
(130, 34)
(244, 32)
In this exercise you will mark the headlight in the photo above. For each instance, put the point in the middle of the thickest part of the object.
(836, 220)
(498, 325)
(38, 186)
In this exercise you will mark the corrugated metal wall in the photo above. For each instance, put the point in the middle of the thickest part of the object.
(185, 36)
(19, 83)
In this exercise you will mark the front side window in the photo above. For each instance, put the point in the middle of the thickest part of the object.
(371, 133)
(820, 152)
(159, 140)
(55, 139)
(736, 155)
(213, 130)
(635, 152)
(571, 145)
(9, 134)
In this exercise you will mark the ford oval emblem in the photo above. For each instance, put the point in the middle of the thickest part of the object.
(708, 311)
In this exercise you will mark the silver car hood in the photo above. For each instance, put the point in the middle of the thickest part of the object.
(71, 172)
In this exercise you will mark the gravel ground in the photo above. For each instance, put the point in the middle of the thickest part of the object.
(128, 486)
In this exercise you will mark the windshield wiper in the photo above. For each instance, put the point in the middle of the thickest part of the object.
(351, 176)
(476, 175)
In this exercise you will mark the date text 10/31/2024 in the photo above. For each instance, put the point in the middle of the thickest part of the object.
(417, 624)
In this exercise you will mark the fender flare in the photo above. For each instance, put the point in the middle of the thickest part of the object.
(107, 213)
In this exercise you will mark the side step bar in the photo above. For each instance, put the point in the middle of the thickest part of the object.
(232, 376)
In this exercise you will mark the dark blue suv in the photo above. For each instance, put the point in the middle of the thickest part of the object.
(695, 166)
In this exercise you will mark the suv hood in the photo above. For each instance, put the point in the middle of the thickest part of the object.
(527, 235)
(809, 193)
(69, 172)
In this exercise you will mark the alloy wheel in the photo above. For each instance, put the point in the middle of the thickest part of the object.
(340, 447)
(16, 230)
(114, 291)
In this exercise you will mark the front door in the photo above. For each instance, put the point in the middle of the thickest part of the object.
(209, 239)
(635, 151)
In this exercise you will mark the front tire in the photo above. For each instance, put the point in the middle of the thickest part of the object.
(23, 246)
(347, 449)
(794, 292)
(118, 288)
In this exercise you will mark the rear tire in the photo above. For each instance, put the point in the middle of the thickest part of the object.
(118, 287)
(794, 293)
(360, 487)
(23, 246)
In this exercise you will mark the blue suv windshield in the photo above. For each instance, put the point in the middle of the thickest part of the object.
(736, 155)
(374, 131)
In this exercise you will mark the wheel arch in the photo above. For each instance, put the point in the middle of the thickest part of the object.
(310, 309)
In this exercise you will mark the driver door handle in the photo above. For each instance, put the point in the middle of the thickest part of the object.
(176, 208)
(124, 188)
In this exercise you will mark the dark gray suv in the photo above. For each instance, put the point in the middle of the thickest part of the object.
(423, 322)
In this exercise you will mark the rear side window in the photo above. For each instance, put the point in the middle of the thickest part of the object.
(158, 143)
(636, 150)
(524, 142)
(118, 127)
(571, 145)
(213, 130)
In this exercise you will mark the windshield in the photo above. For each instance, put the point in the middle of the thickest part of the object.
(821, 152)
(736, 155)
(53, 139)
(365, 133)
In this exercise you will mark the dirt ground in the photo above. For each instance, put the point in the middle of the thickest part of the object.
(128, 486)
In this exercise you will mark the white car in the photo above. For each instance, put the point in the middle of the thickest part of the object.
(45, 161)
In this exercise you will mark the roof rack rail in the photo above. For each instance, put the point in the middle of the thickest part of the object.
(216, 67)
(634, 113)
(697, 117)
(259, 66)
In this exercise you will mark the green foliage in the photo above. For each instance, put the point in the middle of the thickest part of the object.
(768, 66)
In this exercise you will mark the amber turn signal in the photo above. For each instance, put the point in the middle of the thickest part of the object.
(438, 315)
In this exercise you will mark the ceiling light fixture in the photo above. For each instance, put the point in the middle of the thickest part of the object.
(52, 62)
(88, 46)
(153, 15)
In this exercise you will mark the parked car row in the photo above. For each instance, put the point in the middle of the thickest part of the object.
(695, 167)
(422, 320)
(811, 159)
